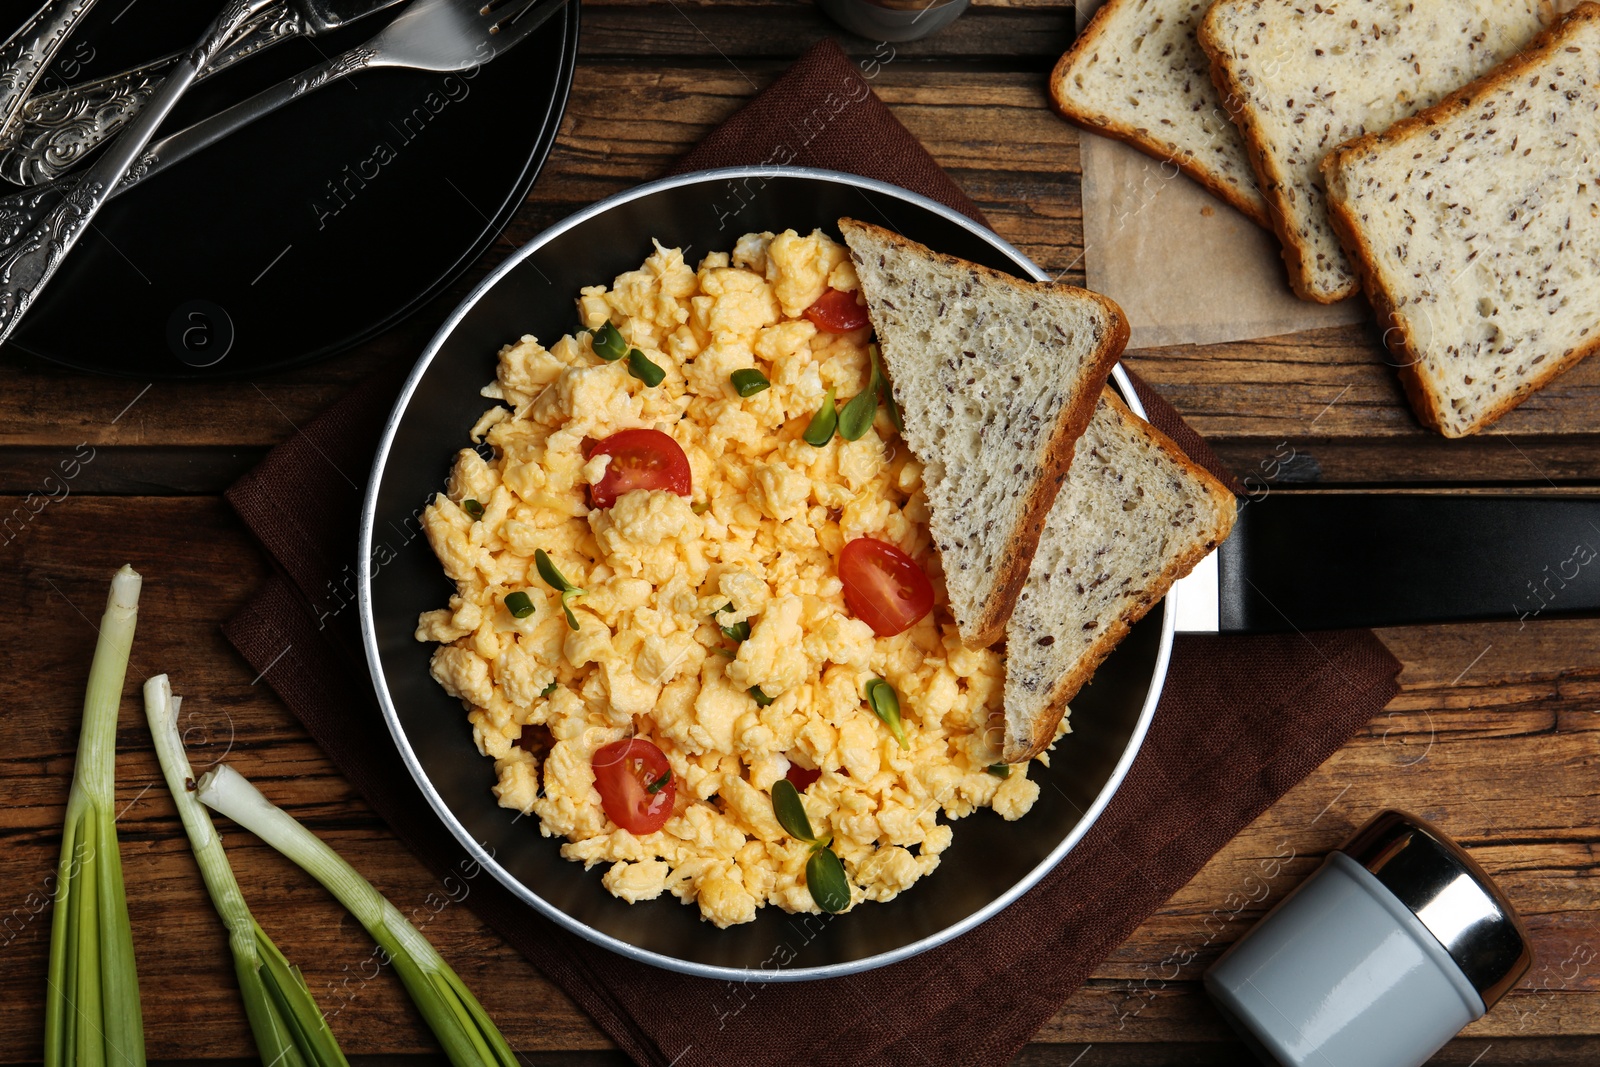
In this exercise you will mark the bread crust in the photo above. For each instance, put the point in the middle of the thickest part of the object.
(1270, 178)
(1427, 405)
(1256, 211)
(1042, 729)
(1017, 554)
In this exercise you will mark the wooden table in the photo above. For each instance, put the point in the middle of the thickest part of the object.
(1495, 735)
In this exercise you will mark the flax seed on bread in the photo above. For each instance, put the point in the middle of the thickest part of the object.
(1300, 79)
(1137, 73)
(995, 379)
(1475, 226)
(1135, 515)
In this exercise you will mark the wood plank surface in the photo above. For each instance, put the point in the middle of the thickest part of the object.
(1495, 737)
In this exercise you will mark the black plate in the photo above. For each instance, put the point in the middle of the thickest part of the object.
(991, 861)
(300, 236)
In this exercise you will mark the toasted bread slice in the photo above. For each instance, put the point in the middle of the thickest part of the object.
(1475, 230)
(995, 379)
(1301, 79)
(1135, 515)
(1137, 73)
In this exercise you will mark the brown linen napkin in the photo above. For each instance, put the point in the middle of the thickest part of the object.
(1240, 721)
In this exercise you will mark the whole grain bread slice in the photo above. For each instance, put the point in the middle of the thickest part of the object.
(1137, 73)
(1301, 79)
(995, 379)
(1135, 515)
(1475, 226)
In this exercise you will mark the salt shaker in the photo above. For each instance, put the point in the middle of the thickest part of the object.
(1380, 957)
(893, 20)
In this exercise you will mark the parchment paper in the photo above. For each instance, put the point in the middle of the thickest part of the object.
(1186, 267)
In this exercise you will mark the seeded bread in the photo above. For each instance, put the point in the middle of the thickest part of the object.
(1135, 515)
(1476, 226)
(1137, 73)
(1301, 79)
(995, 379)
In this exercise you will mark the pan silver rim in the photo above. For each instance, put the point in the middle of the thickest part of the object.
(478, 852)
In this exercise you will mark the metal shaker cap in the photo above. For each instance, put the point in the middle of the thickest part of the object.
(1450, 895)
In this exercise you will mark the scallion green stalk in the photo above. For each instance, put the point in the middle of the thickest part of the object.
(92, 1001)
(469, 1037)
(289, 1029)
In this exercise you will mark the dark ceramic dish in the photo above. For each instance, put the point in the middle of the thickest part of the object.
(990, 864)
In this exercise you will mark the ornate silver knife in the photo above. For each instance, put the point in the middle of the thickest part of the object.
(26, 54)
(37, 231)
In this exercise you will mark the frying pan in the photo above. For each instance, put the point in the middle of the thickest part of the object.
(991, 862)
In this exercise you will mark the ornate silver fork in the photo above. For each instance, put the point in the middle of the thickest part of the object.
(26, 53)
(39, 226)
(55, 130)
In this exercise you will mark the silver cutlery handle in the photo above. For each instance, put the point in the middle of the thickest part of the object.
(56, 130)
(179, 146)
(24, 57)
(39, 228)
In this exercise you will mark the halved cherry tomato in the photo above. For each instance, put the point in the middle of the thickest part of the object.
(624, 772)
(640, 459)
(801, 778)
(837, 312)
(883, 586)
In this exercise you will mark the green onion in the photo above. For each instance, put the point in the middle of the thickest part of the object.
(739, 631)
(885, 704)
(469, 1037)
(820, 430)
(748, 382)
(659, 784)
(91, 1014)
(761, 699)
(557, 581)
(885, 392)
(608, 343)
(856, 418)
(519, 605)
(825, 877)
(288, 1028)
(640, 367)
(472, 508)
(999, 770)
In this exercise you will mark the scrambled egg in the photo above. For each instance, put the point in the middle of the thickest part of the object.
(756, 541)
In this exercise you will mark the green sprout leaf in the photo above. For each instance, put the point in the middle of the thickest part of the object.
(557, 581)
(519, 605)
(551, 688)
(885, 704)
(472, 508)
(761, 699)
(999, 770)
(826, 880)
(823, 423)
(856, 418)
(792, 814)
(659, 784)
(608, 343)
(640, 367)
(885, 391)
(748, 382)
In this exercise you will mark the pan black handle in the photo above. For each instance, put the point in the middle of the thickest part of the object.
(1331, 560)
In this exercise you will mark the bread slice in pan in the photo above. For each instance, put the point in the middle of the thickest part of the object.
(1137, 73)
(995, 379)
(1300, 79)
(1476, 230)
(1135, 515)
